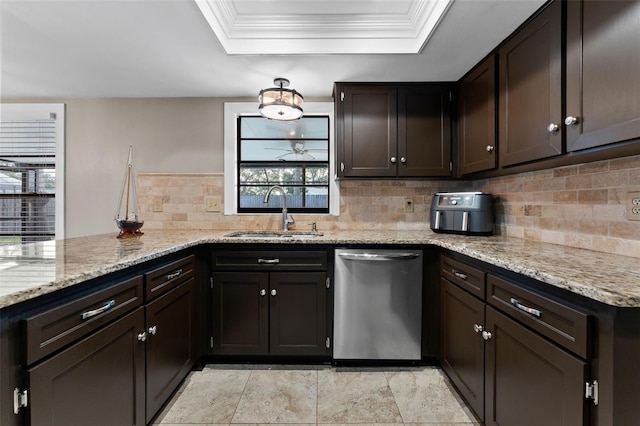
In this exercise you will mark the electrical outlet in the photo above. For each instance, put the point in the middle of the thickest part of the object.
(633, 205)
(157, 204)
(212, 204)
(408, 205)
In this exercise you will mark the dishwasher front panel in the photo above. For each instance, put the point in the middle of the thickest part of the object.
(377, 304)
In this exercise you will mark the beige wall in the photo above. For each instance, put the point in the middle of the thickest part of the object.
(173, 135)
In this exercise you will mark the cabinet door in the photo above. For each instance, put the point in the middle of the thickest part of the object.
(240, 313)
(531, 90)
(529, 380)
(477, 124)
(98, 381)
(424, 130)
(369, 130)
(603, 65)
(298, 313)
(462, 355)
(170, 343)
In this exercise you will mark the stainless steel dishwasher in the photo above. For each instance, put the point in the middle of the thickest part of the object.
(377, 304)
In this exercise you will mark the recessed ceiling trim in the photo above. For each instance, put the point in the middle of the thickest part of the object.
(323, 33)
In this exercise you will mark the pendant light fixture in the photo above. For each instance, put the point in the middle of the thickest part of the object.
(278, 103)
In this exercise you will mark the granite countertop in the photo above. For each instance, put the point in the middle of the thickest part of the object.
(35, 269)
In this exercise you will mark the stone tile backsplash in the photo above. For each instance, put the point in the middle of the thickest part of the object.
(579, 206)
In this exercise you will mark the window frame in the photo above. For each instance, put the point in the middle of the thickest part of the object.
(272, 163)
(34, 111)
(233, 110)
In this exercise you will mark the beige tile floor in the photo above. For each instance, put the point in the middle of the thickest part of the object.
(315, 395)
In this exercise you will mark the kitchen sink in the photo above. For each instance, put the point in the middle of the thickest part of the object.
(274, 235)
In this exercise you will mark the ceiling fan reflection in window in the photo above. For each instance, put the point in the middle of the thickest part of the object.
(297, 152)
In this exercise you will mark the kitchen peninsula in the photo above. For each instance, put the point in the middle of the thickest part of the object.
(37, 277)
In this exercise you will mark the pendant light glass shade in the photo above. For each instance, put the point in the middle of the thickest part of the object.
(278, 103)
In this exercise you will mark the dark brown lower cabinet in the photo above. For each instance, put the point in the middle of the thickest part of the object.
(97, 381)
(529, 380)
(462, 355)
(298, 313)
(511, 374)
(241, 313)
(269, 313)
(170, 343)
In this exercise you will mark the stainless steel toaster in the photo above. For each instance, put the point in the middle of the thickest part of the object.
(470, 213)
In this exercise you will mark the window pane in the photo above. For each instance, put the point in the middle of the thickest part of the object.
(305, 128)
(284, 150)
(297, 197)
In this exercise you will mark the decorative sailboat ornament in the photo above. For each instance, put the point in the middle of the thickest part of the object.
(127, 219)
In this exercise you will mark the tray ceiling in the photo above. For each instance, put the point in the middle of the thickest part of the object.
(323, 27)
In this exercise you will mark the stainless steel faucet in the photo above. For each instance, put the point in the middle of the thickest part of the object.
(286, 220)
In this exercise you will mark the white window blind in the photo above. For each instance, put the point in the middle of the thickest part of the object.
(28, 175)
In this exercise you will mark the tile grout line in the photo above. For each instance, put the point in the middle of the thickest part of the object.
(244, 388)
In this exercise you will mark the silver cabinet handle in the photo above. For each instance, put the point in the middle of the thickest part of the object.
(142, 336)
(465, 221)
(477, 328)
(489, 148)
(273, 292)
(393, 160)
(174, 275)
(486, 335)
(88, 314)
(403, 160)
(153, 330)
(269, 261)
(263, 292)
(532, 311)
(570, 120)
(553, 128)
(460, 275)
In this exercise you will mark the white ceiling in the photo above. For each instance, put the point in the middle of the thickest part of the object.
(165, 48)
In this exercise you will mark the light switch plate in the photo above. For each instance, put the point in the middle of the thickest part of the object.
(157, 204)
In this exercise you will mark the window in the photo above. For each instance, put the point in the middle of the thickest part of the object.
(297, 155)
(291, 154)
(31, 143)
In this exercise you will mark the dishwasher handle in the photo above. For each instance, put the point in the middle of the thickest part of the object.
(379, 257)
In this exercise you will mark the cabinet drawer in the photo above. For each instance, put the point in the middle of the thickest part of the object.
(270, 260)
(469, 278)
(560, 323)
(55, 328)
(168, 276)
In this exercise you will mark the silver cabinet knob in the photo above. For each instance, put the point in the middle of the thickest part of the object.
(403, 160)
(486, 335)
(570, 120)
(153, 330)
(273, 292)
(477, 328)
(393, 160)
(263, 292)
(489, 148)
(553, 128)
(142, 336)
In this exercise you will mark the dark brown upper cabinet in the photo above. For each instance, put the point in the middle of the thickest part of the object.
(477, 118)
(530, 103)
(603, 73)
(393, 130)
